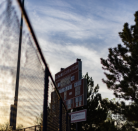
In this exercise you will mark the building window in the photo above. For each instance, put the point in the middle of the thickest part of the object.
(70, 93)
(69, 103)
(65, 95)
(65, 81)
(59, 84)
(78, 101)
(69, 106)
(77, 91)
(78, 83)
(72, 78)
(80, 98)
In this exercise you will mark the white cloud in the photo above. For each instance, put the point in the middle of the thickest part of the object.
(105, 26)
(77, 25)
(61, 56)
(90, 20)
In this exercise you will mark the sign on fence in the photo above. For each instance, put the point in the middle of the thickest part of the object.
(78, 116)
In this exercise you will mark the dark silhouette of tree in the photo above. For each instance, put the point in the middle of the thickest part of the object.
(96, 115)
(121, 71)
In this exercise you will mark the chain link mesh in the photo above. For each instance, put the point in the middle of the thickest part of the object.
(31, 86)
(54, 108)
(9, 39)
(31, 79)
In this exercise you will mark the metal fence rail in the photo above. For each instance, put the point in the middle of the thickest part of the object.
(32, 128)
(38, 101)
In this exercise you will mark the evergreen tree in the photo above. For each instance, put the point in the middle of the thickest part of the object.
(121, 71)
(95, 114)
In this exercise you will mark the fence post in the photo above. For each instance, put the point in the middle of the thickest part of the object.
(67, 121)
(77, 129)
(45, 100)
(78, 126)
(60, 115)
(14, 110)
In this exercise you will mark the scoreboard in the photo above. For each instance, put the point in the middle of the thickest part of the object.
(71, 86)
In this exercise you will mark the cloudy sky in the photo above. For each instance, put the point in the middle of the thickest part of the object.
(85, 29)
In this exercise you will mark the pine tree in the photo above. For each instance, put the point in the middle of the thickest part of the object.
(121, 70)
(95, 114)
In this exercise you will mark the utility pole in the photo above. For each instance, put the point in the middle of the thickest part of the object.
(13, 114)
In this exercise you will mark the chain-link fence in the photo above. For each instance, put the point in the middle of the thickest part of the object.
(35, 100)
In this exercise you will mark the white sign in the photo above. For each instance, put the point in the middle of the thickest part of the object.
(78, 116)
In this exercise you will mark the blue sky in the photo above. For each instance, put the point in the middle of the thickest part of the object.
(85, 29)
